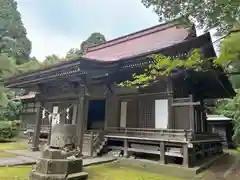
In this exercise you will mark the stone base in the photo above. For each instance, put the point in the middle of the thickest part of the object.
(41, 176)
(34, 149)
(55, 165)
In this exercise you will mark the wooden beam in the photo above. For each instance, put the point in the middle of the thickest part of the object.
(187, 104)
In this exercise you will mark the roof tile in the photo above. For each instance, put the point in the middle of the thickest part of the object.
(151, 39)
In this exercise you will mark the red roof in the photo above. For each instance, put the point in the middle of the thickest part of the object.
(143, 41)
(27, 96)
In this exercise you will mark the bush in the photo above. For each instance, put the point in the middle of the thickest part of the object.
(5, 130)
(238, 148)
(9, 129)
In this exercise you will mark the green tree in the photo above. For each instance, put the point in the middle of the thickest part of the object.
(231, 108)
(31, 65)
(230, 57)
(94, 39)
(223, 14)
(7, 67)
(51, 59)
(12, 26)
(73, 53)
(163, 66)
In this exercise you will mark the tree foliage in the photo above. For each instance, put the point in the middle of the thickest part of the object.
(11, 26)
(94, 39)
(73, 53)
(223, 14)
(231, 108)
(7, 67)
(163, 66)
(230, 57)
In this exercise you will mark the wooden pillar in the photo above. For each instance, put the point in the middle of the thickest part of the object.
(169, 90)
(74, 116)
(191, 115)
(162, 153)
(82, 108)
(125, 153)
(185, 155)
(193, 156)
(36, 141)
(171, 122)
(107, 112)
(112, 115)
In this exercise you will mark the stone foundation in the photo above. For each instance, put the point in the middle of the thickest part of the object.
(58, 161)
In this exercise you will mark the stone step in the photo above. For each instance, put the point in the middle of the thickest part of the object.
(40, 176)
(77, 176)
(58, 166)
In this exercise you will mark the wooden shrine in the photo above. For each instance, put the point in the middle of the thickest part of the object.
(166, 119)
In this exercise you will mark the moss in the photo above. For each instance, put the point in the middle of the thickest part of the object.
(12, 146)
(15, 173)
(238, 149)
(98, 172)
(109, 172)
(6, 154)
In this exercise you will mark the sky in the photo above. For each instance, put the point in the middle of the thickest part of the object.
(55, 26)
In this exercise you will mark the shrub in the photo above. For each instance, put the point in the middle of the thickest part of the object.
(9, 129)
(238, 148)
(5, 130)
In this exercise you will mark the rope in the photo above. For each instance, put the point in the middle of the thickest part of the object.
(51, 113)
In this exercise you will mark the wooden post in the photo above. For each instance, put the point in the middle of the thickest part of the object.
(74, 116)
(185, 155)
(91, 144)
(171, 122)
(50, 130)
(35, 140)
(81, 115)
(162, 153)
(125, 154)
(191, 115)
(106, 113)
(193, 156)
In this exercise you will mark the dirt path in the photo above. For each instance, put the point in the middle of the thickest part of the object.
(226, 168)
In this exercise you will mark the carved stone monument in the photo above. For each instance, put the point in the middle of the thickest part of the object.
(59, 160)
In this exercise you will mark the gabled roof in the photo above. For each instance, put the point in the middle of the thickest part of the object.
(150, 39)
(218, 118)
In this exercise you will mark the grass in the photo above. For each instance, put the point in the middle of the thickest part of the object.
(98, 172)
(6, 154)
(112, 172)
(12, 146)
(15, 173)
(238, 149)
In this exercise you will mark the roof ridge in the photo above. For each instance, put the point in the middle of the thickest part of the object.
(140, 33)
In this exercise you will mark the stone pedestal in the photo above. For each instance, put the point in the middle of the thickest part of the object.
(58, 161)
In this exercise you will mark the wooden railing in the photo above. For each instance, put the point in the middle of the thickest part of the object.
(162, 134)
(93, 141)
(152, 133)
(43, 128)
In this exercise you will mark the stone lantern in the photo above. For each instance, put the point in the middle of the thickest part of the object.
(59, 160)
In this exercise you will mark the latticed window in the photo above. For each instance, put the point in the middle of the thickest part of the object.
(146, 119)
